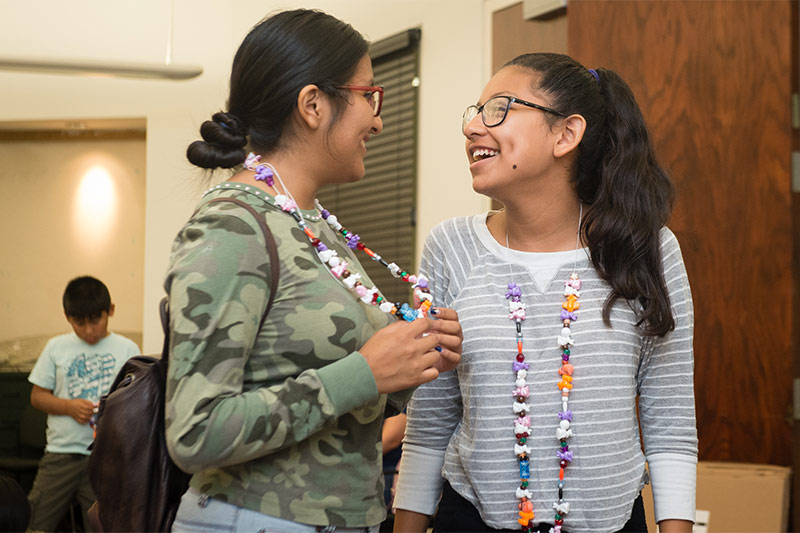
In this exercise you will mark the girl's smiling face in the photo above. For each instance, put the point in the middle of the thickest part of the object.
(355, 125)
(519, 150)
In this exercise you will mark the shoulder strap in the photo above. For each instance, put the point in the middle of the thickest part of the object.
(272, 250)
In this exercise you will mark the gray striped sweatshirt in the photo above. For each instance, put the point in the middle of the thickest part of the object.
(461, 426)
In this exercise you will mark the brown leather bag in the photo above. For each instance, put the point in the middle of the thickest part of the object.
(138, 487)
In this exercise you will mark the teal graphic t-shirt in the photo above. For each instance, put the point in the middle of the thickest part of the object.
(71, 368)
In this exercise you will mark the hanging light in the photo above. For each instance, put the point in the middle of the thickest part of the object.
(105, 69)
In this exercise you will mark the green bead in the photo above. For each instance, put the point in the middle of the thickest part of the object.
(523, 440)
(379, 299)
(524, 484)
(558, 516)
(563, 444)
(566, 351)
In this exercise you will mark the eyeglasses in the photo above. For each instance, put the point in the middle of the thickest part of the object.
(494, 110)
(374, 94)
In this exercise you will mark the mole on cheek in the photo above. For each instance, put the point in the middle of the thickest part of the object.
(514, 167)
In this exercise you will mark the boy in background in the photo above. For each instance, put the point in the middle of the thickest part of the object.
(69, 377)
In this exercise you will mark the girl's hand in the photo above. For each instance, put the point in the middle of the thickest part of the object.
(401, 357)
(450, 337)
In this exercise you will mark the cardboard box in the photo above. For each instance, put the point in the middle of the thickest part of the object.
(737, 497)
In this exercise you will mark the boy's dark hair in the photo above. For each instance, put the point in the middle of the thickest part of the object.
(86, 298)
(15, 512)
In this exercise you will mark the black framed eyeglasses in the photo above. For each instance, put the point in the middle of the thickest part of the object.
(494, 111)
(373, 93)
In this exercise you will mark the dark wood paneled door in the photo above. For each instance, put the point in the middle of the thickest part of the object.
(713, 79)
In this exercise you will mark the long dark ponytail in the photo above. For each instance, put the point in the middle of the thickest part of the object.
(617, 175)
(281, 55)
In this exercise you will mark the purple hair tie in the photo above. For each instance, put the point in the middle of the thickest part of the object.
(594, 73)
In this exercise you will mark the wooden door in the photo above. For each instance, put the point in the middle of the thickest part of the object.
(713, 81)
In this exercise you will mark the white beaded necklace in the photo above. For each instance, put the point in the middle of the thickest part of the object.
(520, 408)
(337, 266)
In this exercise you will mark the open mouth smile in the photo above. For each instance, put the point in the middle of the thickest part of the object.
(483, 153)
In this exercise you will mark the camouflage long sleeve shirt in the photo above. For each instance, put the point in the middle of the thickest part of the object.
(287, 420)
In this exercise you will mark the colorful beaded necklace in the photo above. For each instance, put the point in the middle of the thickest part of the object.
(522, 424)
(337, 266)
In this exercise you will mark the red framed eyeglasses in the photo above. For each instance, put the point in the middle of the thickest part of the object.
(373, 93)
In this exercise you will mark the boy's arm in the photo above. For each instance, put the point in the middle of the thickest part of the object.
(78, 408)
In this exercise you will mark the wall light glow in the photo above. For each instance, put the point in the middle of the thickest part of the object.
(95, 207)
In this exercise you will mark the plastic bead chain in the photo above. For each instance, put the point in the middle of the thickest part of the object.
(266, 172)
(337, 266)
(522, 424)
(521, 392)
(422, 296)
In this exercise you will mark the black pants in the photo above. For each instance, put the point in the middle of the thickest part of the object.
(457, 515)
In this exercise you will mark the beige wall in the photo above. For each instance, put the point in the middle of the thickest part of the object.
(70, 208)
(207, 32)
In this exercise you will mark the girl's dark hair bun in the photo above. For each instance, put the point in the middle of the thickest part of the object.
(224, 139)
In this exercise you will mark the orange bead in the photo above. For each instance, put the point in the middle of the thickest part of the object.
(571, 304)
(561, 474)
(309, 232)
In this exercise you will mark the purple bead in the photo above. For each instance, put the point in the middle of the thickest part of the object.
(325, 214)
(565, 415)
(422, 283)
(565, 358)
(568, 315)
(565, 455)
(321, 247)
(264, 173)
(514, 292)
(352, 240)
(520, 366)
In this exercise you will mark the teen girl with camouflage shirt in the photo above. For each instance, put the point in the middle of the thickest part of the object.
(281, 425)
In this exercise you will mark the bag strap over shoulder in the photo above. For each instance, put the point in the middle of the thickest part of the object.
(272, 250)
(163, 311)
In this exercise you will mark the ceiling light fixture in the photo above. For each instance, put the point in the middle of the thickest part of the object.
(102, 68)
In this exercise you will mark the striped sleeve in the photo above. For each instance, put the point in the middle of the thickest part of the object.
(666, 398)
(435, 409)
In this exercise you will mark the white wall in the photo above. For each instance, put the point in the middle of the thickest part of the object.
(77, 207)
(207, 33)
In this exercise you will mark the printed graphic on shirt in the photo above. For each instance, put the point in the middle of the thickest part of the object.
(89, 375)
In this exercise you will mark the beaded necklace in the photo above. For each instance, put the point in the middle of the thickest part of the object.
(522, 424)
(337, 266)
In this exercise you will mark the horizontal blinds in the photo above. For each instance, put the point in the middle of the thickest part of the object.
(381, 208)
